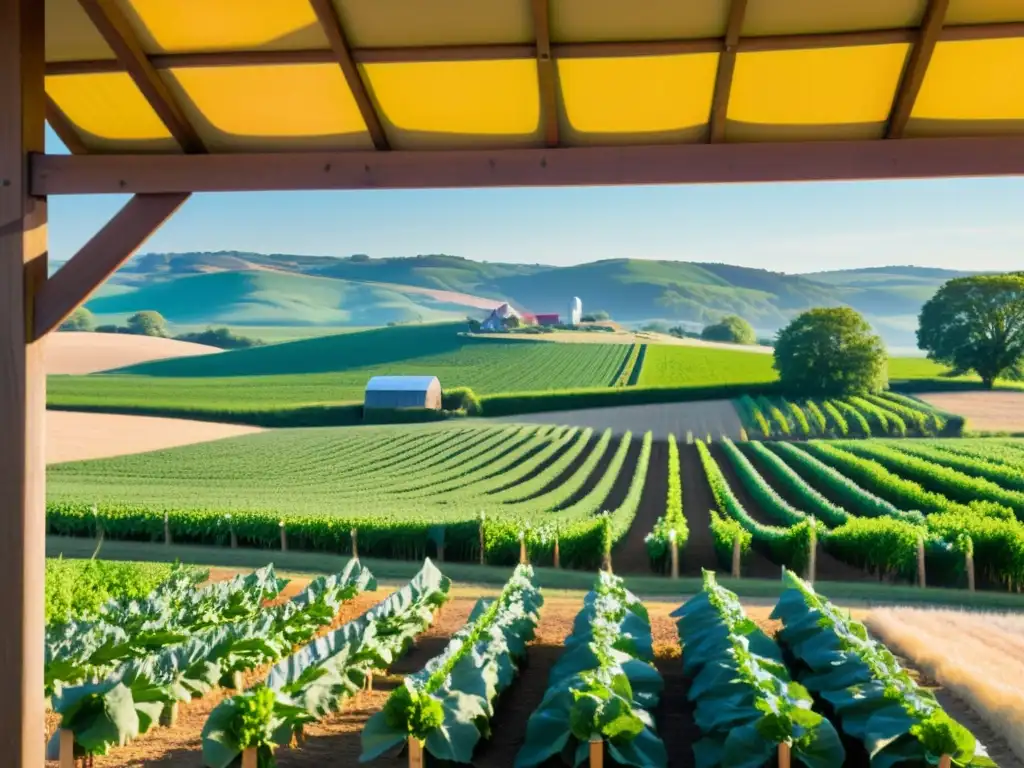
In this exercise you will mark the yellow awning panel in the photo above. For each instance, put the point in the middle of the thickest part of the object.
(666, 97)
(277, 106)
(109, 112)
(409, 23)
(983, 11)
(604, 20)
(438, 104)
(806, 17)
(828, 93)
(969, 89)
(70, 36)
(178, 26)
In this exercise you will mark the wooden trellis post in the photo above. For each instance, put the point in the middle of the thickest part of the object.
(482, 538)
(785, 755)
(596, 753)
(558, 561)
(284, 537)
(945, 761)
(812, 553)
(523, 558)
(737, 552)
(249, 758)
(921, 581)
(970, 570)
(355, 544)
(415, 753)
(674, 545)
(67, 748)
(167, 529)
(234, 536)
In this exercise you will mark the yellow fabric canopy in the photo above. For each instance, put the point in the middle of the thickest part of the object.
(261, 75)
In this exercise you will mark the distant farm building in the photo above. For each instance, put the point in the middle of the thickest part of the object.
(575, 310)
(403, 392)
(547, 319)
(497, 319)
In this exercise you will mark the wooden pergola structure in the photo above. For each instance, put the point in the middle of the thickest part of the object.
(163, 98)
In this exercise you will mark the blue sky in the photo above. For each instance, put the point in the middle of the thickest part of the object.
(956, 224)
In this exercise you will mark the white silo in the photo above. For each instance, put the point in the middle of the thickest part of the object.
(575, 310)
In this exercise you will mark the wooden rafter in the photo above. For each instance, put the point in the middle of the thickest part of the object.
(505, 51)
(726, 66)
(99, 258)
(546, 71)
(650, 164)
(64, 128)
(114, 27)
(917, 66)
(328, 18)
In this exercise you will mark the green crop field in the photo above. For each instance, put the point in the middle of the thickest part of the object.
(335, 369)
(667, 365)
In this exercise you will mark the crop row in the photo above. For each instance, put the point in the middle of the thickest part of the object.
(864, 416)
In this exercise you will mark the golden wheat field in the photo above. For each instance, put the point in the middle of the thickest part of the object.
(978, 657)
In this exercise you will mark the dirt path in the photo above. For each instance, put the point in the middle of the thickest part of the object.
(631, 555)
(985, 411)
(699, 551)
(758, 565)
(74, 436)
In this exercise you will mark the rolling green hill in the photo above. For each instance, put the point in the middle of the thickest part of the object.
(238, 288)
(262, 297)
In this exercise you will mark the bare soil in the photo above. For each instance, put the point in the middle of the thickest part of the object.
(699, 552)
(631, 555)
(708, 417)
(79, 352)
(985, 411)
(77, 436)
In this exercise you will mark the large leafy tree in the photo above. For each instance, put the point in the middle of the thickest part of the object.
(79, 320)
(147, 323)
(977, 324)
(830, 351)
(731, 328)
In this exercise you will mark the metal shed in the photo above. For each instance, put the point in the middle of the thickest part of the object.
(403, 392)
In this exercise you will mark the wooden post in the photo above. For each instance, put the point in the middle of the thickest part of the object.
(558, 559)
(785, 755)
(250, 758)
(812, 553)
(675, 553)
(921, 582)
(596, 753)
(523, 559)
(415, 753)
(238, 680)
(945, 761)
(737, 552)
(67, 748)
(970, 571)
(234, 537)
(482, 538)
(284, 537)
(167, 529)
(355, 544)
(369, 681)
(23, 270)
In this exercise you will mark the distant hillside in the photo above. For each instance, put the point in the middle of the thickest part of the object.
(241, 288)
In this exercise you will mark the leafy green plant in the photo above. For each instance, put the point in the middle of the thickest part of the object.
(124, 705)
(449, 703)
(658, 541)
(874, 699)
(309, 684)
(746, 703)
(602, 687)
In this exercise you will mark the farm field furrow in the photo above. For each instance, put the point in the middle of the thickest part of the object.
(409, 490)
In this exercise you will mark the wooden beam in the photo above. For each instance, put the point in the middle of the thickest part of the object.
(917, 66)
(651, 164)
(546, 71)
(490, 52)
(726, 66)
(64, 128)
(114, 27)
(328, 17)
(98, 259)
(23, 255)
